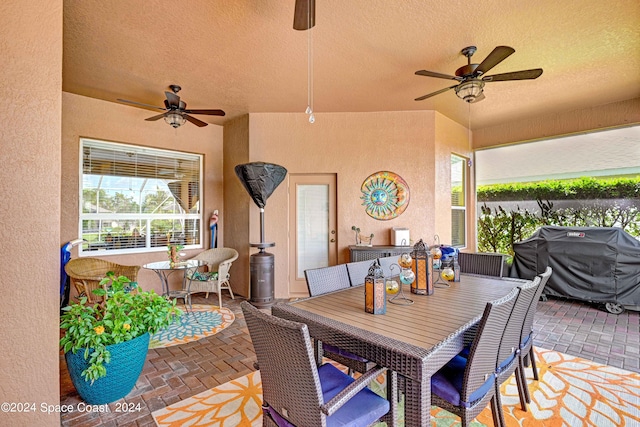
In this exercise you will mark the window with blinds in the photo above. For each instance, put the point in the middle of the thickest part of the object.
(138, 199)
(458, 201)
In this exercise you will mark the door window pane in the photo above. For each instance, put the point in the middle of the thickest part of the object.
(313, 227)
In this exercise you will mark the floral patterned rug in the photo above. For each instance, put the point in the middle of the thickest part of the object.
(571, 392)
(202, 321)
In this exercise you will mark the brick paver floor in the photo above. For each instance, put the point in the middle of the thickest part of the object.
(176, 373)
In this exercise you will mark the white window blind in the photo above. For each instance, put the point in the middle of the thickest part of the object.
(135, 199)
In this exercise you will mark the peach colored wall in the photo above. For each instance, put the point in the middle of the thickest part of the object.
(236, 201)
(353, 146)
(451, 138)
(110, 121)
(31, 49)
(623, 113)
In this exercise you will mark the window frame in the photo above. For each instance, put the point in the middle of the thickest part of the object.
(465, 193)
(198, 216)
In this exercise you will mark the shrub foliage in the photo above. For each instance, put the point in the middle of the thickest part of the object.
(499, 229)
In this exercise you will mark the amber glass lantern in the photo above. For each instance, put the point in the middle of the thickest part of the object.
(421, 266)
(375, 301)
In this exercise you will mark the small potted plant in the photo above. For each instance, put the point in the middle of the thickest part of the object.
(106, 343)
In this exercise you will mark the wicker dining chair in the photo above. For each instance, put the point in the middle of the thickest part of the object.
(509, 350)
(527, 355)
(327, 279)
(464, 386)
(86, 273)
(389, 264)
(358, 271)
(486, 264)
(321, 281)
(219, 261)
(295, 390)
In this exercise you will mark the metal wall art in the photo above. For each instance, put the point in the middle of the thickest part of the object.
(385, 195)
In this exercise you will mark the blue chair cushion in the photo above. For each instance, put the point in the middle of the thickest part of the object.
(447, 383)
(525, 341)
(506, 362)
(363, 409)
(341, 352)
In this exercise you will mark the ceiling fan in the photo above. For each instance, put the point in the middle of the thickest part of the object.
(472, 76)
(304, 16)
(176, 110)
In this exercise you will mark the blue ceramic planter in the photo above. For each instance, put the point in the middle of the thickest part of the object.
(127, 361)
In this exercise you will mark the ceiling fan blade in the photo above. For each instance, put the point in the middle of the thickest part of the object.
(173, 99)
(153, 107)
(207, 112)
(154, 118)
(499, 54)
(304, 16)
(182, 105)
(478, 98)
(437, 75)
(195, 121)
(514, 75)
(435, 93)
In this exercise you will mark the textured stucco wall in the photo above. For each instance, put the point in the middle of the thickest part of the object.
(111, 121)
(452, 138)
(237, 201)
(623, 113)
(352, 146)
(31, 49)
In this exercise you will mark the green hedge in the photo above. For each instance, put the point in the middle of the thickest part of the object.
(499, 229)
(587, 188)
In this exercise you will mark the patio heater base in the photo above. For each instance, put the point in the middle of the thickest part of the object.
(262, 279)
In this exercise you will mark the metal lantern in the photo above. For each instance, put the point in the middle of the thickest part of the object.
(421, 266)
(375, 301)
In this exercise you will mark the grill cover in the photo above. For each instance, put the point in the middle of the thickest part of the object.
(598, 264)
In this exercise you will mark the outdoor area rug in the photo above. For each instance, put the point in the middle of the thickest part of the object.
(203, 321)
(571, 392)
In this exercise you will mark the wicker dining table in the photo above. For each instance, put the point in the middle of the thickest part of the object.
(412, 340)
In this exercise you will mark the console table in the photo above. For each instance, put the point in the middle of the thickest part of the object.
(365, 253)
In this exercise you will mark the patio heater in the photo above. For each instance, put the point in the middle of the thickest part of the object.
(260, 180)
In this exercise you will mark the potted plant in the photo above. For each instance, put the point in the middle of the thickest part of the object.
(106, 343)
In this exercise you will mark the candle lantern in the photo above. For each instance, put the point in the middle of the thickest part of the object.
(375, 301)
(423, 283)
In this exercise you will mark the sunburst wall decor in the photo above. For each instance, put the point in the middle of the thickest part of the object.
(385, 195)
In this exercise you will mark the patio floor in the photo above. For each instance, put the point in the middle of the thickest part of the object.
(176, 373)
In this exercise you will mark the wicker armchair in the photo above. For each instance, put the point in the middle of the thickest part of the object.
(86, 273)
(295, 390)
(464, 386)
(218, 260)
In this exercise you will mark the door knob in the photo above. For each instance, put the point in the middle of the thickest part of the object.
(332, 240)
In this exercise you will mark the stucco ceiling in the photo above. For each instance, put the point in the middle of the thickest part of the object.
(243, 56)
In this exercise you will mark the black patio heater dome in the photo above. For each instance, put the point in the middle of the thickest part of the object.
(260, 180)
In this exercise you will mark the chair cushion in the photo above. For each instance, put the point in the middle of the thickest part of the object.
(363, 409)
(525, 341)
(337, 350)
(204, 277)
(447, 383)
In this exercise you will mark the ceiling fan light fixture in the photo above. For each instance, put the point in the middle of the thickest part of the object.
(469, 90)
(175, 119)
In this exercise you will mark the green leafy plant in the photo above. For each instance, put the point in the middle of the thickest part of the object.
(123, 315)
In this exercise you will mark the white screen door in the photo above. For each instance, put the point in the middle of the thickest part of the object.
(312, 228)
